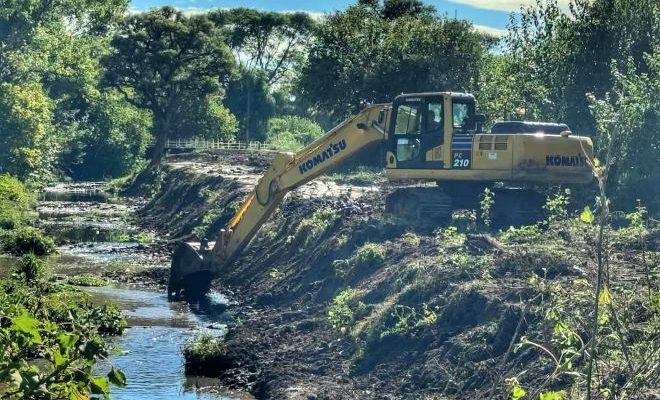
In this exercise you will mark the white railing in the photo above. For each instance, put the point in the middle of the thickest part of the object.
(195, 143)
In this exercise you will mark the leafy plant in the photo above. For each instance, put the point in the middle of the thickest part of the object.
(486, 207)
(411, 240)
(27, 240)
(556, 206)
(86, 280)
(31, 268)
(313, 227)
(344, 310)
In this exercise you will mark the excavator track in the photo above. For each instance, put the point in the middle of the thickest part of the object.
(428, 204)
(436, 205)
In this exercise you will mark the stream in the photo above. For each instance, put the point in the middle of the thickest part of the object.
(97, 235)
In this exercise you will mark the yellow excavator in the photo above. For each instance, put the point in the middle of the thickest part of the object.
(433, 137)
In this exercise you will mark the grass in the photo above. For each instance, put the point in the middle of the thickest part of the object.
(87, 281)
(369, 255)
(313, 227)
(206, 355)
(345, 310)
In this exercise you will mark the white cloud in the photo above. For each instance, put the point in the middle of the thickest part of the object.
(506, 5)
(497, 32)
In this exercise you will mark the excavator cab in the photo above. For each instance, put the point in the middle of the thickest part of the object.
(426, 126)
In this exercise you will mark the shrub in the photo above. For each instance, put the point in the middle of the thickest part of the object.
(292, 133)
(87, 280)
(314, 226)
(369, 254)
(27, 240)
(30, 268)
(206, 355)
(14, 201)
(345, 310)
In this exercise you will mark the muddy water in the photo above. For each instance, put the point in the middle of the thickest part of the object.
(97, 235)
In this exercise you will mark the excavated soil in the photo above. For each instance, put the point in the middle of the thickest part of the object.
(470, 297)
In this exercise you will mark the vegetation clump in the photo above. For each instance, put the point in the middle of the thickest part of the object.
(86, 281)
(367, 257)
(26, 240)
(15, 201)
(206, 355)
(313, 227)
(51, 337)
(345, 310)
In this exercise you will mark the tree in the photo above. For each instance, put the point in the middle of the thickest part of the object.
(268, 42)
(166, 62)
(633, 109)
(268, 47)
(556, 58)
(21, 20)
(359, 55)
(25, 122)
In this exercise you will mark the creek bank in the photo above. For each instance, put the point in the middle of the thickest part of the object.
(438, 316)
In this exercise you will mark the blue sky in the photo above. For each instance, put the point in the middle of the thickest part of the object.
(486, 14)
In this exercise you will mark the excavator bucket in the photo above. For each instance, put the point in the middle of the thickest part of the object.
(189, 276)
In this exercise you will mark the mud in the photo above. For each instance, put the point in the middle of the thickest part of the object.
(471, 301)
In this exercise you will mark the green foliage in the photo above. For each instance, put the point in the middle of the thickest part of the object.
(26, 240)
(517, 392)
(25, 123)
(345, 310)
(556, 206)
(364, 52)
(87, 281)
(292, 133)
(587, 216)
(203, 347)
(523, 234)
(264, 41)
(190, 58)
(31, 269)
(411, 240)
(113, 144)
(313, 227)
(450, 237)
(486, 206)
(50, 338)
(405, 319)
(368, 255)
(14, 202)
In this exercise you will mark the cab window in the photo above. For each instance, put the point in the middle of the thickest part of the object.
(408, 120)
(462, 117)
(434, 118)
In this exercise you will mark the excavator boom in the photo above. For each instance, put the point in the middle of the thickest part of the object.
(192, 271)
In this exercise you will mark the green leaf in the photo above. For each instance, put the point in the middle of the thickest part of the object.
(58, 358)
(67, 341)
(518, 393)
(26, 324)
(605, 297)
(99, 385)
(553, 395)
(117, 377)
(587, 216)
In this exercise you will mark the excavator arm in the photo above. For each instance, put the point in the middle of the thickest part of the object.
(192, 271)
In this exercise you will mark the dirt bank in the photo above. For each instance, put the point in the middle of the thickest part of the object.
(340, 301)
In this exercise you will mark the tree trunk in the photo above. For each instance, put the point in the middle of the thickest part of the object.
(162, 133)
